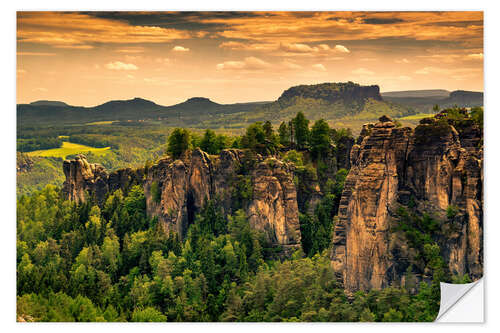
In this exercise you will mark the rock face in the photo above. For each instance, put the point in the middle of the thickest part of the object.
(275, 201)
(390, 166)
(83, 177)
(176, 190)
(332, 92)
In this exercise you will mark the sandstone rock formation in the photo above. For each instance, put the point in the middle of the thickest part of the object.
(84, 178)
(391, 165)
(435, 166)
(183, 186)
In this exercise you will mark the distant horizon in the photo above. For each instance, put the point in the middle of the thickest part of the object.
(212, 100)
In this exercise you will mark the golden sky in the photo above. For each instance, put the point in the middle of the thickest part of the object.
(87, 58)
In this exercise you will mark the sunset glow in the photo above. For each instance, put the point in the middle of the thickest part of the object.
(90, 58)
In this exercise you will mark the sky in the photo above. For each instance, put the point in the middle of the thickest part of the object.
(88, 58)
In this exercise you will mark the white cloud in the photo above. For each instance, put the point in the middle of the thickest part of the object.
(304, 48)
(248, 63)
(476, 56)
(342, 49)
(404, 78)
(118, 66)
(319, 67)
(362, 71)
(298, 48)
(130, 76)
(180, 49)
(232, 45)
(41, 89)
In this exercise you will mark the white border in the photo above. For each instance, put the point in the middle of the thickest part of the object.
(8, 132)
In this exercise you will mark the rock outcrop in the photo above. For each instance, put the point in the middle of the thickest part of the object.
(176, 190)
(431, 166)
(84, 178)
(332, 92)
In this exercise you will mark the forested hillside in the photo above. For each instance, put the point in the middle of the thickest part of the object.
(107, 256)
(327, 101)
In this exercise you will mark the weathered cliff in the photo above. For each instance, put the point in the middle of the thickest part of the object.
(176, 190)
(391, 166)
(84, 178)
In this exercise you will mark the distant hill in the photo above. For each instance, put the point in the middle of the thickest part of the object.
(424, 100)
(330, 101)
(48, 103)
(188, 113)
(417, 93)
(465, 98)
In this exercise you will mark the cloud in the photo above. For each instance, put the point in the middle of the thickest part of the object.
(362, 71)
(180, 49)
(368, 59)
(304, 48)
(375, 20)
(249, 63)
(476, 56)
(232, 45)
(299, 48)
(119, 66)
(292, 27)
(82, 31)
(41, 89)
(76, 47)
(21, 71)
(319, 67)
(342, 49)
(39, 54)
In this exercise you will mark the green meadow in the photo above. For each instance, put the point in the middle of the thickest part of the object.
(417, 116)
(105, 122)
(69, 148)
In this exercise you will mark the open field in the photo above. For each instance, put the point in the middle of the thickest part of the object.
(69, 148)
(417, 116)
(105, 122)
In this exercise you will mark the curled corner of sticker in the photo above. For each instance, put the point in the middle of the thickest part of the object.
(451, 294)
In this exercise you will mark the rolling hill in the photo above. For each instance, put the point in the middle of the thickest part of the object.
(331, 101)
(424, 100)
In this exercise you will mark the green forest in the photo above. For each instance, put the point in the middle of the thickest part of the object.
(85, 262)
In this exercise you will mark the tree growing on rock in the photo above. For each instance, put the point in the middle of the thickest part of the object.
(179, 142)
